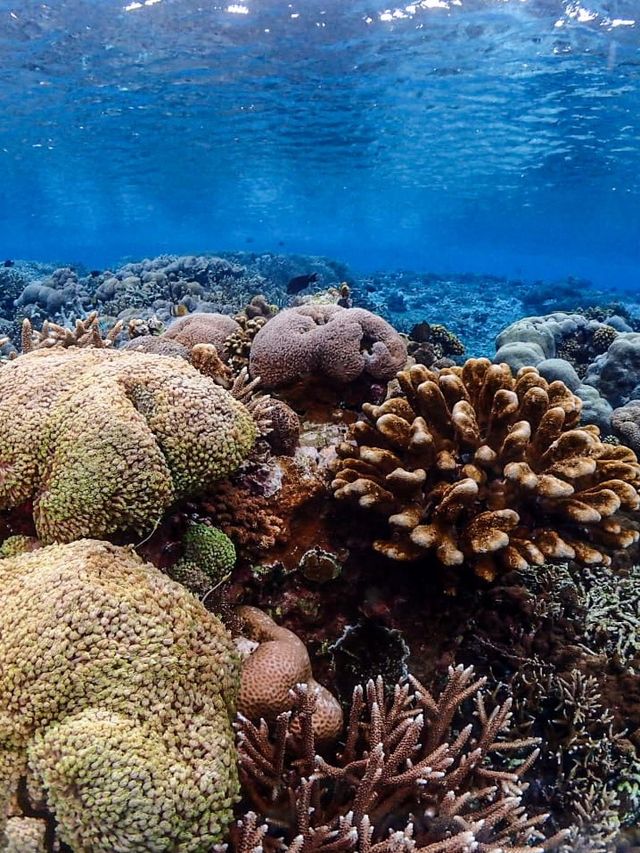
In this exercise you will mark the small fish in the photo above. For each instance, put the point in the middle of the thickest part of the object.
(248, 240)
(95, 273)
(180, 310)
(9, 263)
(280, 242)
(301, 281)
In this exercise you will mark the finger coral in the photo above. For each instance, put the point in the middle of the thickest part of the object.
(273, 668)
(104, 440)
(116, 698)
(338, 344)
(415, 772)
(484, 468)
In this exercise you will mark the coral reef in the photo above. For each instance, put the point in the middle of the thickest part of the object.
(483, 468)
(277, 662)
(337, 344)
(430, 343)
(116, 700)
(616, 373)
(415, 772)
(625, 422)
(104, 440)
(202, 329)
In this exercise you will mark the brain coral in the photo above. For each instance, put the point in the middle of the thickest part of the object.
(116, 698)
(488, 469)
(105, 440)
(202, 328)
(337, 343)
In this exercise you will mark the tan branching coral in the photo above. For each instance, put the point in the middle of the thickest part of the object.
(86, 333)
(485, 468)
(416, 773)
(116, 694)
(104, 440)
(273, 668)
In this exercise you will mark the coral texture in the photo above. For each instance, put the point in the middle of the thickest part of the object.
(285, 428)
(487, 469)
(338, 344)
(208, 557)
(202, 329)
(105, 440)
(415, 773)
(272, 670)
(116, 698)
(625, 422)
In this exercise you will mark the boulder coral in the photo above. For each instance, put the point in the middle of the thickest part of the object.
(488, 469)
(278, 662)
(208, 558)
(117, 695)
(104, 441)
(202, 328)
(326, 341)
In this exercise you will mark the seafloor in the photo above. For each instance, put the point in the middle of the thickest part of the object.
(224, 506)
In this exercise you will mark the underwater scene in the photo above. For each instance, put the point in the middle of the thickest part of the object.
(320, 426)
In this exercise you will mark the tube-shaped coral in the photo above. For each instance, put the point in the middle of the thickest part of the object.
(116, 693)
(481, 467)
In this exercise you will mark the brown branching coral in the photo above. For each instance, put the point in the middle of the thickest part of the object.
(412, 774)
(487, 469)
(86, 333)
(276, 664)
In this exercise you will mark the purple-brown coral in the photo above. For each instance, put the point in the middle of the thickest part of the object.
(202, 328)
(326, 342)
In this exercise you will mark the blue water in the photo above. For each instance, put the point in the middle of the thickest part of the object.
(484, 135)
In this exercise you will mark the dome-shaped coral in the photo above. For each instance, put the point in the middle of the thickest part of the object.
(104, 440)
(208, 557)
(484, 468)
(116, 693)
(202, 328)
(338, 344)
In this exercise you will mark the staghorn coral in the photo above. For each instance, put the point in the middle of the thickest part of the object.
(487, 469)
(334, 343)
(105, 440)
(116, 698)
(415, 772)
(86, 333)
(208, 558)
(201, 328)
(274, 666)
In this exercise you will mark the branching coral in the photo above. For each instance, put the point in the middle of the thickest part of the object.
(116, 698)
(104, 440)
(415, 772)
(487, 469)
(274, 666)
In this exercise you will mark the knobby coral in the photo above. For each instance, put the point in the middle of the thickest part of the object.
(279, 661)
(487, 469)
(116, 698)
(202, 328)
(208, 558)
(334, 343)
(103, 440)
(415, 772)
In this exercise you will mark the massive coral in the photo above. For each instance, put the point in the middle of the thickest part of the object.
(116, 694)
(334, 343)
(484, 468)
(103, 440)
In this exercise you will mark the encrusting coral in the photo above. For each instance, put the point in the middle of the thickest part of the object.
(490, 470)
(104, 440)
(116, 696)
(415, 773)
(272, 669)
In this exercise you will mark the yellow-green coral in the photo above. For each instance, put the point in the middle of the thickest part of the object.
(116, 695)
(105, 440)
(209, 555)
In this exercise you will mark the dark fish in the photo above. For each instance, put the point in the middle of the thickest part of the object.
(280, 242)
(248, 240)
(371, 288)
(9, 263)
(301, 281)
(421, 332)
(95, 273)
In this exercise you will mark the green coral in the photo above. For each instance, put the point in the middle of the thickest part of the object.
(116, 700)
(209, 555)
(104, 440)
(19, 544)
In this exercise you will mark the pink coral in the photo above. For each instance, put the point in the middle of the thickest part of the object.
(202, 328)
(339, 344)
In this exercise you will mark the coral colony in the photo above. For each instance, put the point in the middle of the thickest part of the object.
(312, 571)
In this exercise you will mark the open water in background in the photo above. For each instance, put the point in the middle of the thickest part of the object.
(494, 136)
